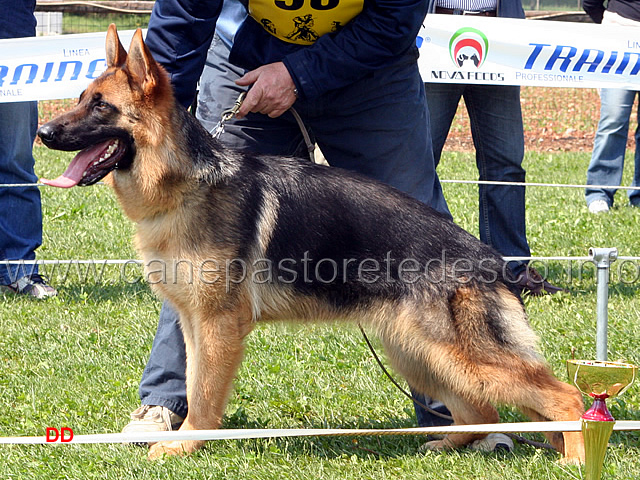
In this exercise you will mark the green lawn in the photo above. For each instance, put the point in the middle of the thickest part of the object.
(76, 360)
(88, 22)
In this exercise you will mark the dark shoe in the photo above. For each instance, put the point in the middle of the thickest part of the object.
(33, 285)
(531, 282)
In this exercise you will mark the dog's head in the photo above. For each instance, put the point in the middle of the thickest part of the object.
(108, 123)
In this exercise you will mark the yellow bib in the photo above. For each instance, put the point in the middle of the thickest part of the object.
(303, 21)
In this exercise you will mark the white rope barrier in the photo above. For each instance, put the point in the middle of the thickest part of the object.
(463, 182)
(130, 11)
(563, 258)
(10, 185)
(536, 184)
(129, 261)
(73, 262)
(245, 434)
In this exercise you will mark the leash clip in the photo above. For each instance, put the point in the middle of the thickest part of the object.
(227, 115)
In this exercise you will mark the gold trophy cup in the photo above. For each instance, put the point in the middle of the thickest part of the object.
(600, 380)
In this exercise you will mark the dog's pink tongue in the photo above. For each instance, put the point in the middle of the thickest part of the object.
(72, 176)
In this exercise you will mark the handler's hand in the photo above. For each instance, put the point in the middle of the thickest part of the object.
(272, 92)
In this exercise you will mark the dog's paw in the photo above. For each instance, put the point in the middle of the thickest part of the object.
(572, 449)
(160, 449)
(571, 461)
(435, 446)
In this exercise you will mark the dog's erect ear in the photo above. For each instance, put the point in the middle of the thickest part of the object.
(116, 54)
(141, 64)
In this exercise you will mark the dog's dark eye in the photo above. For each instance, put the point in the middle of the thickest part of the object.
(101, 106)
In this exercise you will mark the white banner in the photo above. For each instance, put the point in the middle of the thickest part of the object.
(45, 68)
(453, 49)
(468, 49)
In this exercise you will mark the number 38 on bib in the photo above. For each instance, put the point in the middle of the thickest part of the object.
(303, 21)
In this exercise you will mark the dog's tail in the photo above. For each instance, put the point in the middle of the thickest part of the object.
(491, 321)
(463, 341)
(496, 346)
(505, 366)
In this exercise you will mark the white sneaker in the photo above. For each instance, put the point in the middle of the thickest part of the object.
(493, 442)
(152, 418)
(34, 286)
(598, 206)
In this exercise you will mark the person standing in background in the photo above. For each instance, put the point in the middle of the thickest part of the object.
(610, 144)
(498, 137)
(20, 207)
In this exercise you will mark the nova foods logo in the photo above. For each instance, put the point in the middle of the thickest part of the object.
(468, 47)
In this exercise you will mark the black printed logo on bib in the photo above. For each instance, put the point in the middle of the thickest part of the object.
(303, 21)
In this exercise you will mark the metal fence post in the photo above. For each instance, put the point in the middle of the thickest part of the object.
(602, 257)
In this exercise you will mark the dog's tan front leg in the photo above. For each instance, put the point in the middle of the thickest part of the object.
(214, 352)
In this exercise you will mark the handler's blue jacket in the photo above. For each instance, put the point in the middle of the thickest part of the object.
(383, 34)
(16, 19)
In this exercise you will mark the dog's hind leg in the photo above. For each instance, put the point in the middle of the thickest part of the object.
(468, 383)
(542, 397)
(214, 352)
(529, 385)
(555, 439)
(437, 371)
(498, 355)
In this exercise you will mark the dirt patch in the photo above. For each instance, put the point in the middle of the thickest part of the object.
(555, 119)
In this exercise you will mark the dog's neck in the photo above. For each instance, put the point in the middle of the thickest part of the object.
(210, 161)
(178, 158)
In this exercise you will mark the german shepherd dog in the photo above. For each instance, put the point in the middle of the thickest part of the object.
(262, 238)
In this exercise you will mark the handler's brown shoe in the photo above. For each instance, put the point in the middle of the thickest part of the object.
(152, 418)
(531, 282)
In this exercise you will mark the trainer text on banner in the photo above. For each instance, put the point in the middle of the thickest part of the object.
(45, 68)
(467, 49)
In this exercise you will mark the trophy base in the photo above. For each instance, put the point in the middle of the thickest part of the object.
(596, 438)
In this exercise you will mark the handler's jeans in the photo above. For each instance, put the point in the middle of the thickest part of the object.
(498, 137)
(610, 145)
(378, 127)
(20, 208)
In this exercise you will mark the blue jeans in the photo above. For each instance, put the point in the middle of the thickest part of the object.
(378, 127)
(609, 147)
(498, 137)
(20, 208)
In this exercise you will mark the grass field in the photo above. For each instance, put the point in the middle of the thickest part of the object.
(87, 22)
(76, 360)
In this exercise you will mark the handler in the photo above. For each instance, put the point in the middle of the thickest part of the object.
(498, 136)
(349, 68)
